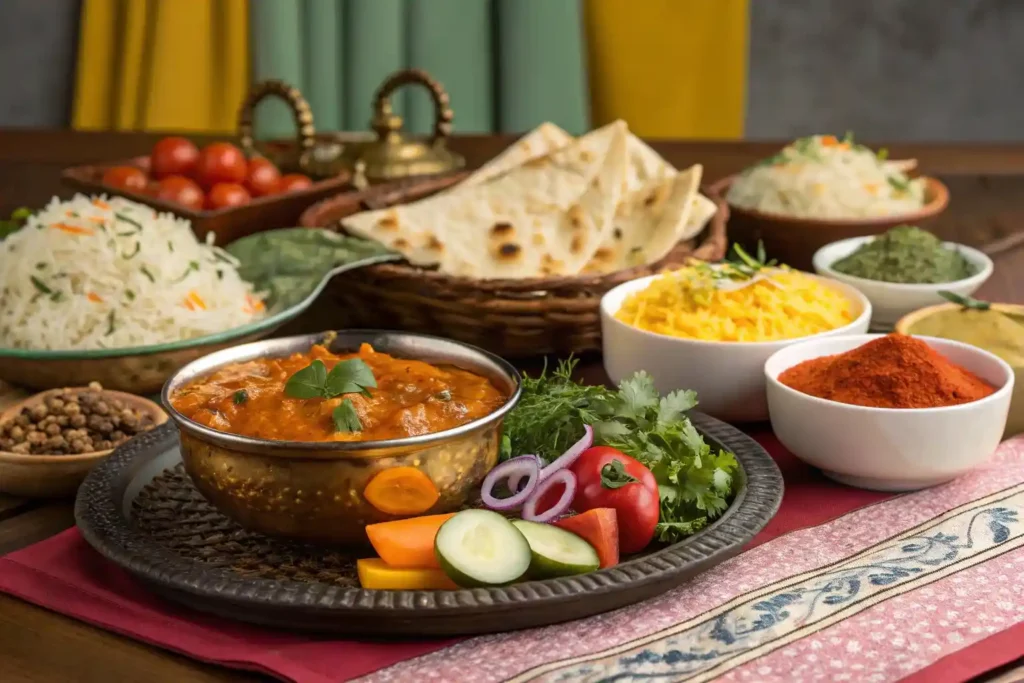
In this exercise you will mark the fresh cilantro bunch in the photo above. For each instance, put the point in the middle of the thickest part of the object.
(695, 484)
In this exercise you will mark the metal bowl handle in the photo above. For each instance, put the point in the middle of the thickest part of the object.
(383, 112)
(301, 112)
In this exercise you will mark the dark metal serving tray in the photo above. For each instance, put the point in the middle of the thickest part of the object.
(139, 510)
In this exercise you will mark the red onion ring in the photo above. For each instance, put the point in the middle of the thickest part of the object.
(524, 466)
(570, 456)
(565, 477)
(515, 479)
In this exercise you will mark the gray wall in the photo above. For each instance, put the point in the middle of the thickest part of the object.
(38, 39)
(887, 69)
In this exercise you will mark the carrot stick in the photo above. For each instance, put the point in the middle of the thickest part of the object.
(73, 229)
(407, 543)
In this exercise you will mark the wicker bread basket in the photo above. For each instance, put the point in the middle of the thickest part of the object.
(512, 318)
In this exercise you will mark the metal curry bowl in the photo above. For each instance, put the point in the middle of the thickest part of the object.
(313, 491)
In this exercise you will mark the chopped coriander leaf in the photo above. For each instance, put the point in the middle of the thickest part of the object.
(192, 266)
(129, 294)
(352, 376)
(898, 184)
(240, 397)
(307, 382)
(121, 217)
(40, 285)
(345, 417)
(110, 323)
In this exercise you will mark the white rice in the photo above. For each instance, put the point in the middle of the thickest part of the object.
(820, 177)
(95, 273)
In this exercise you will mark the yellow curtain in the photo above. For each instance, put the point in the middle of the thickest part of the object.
(161, 65)
(670, 68)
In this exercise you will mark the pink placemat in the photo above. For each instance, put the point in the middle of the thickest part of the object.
(715, 626)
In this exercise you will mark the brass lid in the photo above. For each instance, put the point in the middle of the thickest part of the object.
(393, 154)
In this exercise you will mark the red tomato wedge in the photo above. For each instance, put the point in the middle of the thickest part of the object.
(598, 527)
(407, 543)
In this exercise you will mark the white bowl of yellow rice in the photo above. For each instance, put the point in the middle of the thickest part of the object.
(687, 334)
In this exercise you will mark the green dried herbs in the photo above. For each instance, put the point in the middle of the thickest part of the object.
(907, 255)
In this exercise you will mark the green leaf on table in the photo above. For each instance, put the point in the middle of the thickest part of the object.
(345, 417)
(288, 265)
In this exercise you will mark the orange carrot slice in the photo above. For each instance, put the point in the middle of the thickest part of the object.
(94, 297)
(72, 229)
(407, 543)
(401, 491)
(194, 297)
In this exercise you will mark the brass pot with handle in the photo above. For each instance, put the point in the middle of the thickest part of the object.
(316, 157)
(394, 155)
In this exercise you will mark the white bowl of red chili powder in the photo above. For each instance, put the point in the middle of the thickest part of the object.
(888, 412)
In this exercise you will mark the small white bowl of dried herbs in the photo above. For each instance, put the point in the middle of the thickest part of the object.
(903, 270)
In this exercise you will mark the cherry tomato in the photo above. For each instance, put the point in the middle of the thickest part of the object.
(180, 190)
(224, 195)
(263, 177)
(220, 162)
(173, 156)
(608, 478)
(294, 182)
(126, 178)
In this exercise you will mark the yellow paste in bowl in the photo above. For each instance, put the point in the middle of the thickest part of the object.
(783, 304)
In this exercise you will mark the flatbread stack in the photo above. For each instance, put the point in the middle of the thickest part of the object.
(550, 205)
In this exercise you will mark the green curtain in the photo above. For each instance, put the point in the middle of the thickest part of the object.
(508, 65)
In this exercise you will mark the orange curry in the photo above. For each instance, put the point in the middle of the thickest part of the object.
(411, 397)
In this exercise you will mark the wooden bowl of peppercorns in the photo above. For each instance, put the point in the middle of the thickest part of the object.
(50, 441)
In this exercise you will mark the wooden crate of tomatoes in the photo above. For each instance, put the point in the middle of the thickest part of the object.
(216, 187)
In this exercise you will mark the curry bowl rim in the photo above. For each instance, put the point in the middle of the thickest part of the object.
(846, 289)
(976, 257)
(1002, 392)
(284, 346)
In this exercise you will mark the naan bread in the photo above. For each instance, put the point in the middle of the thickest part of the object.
(547, 216)
(509, 218)
(648, 223)
(512, 238)
(540, 142)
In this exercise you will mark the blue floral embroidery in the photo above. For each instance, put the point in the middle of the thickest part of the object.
(761, 620)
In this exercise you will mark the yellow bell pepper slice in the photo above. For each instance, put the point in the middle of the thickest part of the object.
(375, 574)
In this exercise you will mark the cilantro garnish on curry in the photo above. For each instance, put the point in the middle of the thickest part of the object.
(322, 396)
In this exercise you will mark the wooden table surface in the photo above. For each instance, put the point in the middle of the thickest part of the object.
(986, 210)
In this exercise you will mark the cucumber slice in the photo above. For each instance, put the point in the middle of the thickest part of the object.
(557, 552)
(481, 548)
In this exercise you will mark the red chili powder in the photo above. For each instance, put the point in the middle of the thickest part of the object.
(894, 371)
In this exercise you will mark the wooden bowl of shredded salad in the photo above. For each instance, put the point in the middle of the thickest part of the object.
(691, 329)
